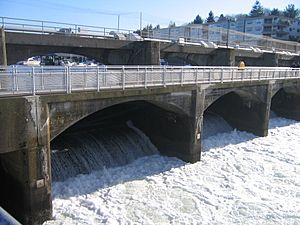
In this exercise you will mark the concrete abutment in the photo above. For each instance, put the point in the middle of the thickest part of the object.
(24, 162)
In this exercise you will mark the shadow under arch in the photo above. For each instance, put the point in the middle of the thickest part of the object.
(166, 125)
(286, 102)
(242, 110)
(23, 52)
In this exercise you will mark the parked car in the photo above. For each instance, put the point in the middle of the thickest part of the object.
(64, 31)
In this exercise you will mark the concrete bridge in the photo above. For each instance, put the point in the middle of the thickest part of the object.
(167, 103)
(16, 45)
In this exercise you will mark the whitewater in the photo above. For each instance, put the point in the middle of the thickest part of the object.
(241, 179)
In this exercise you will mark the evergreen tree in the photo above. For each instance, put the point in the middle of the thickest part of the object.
(156, 27)
(291, 12)
(210, 18)
(198, 20)
(257, 10)
(222, 18)
(172, 24)
(275, 12)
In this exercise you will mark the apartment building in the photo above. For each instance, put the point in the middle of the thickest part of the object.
(294, 31)
(245, 30)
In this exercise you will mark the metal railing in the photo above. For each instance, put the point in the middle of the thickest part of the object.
(57, 28)
(16, 80)
(211, 37)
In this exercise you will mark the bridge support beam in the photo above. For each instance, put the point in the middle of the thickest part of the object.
(223, 57)
(198, 99)
(3, 57)
(25, 168)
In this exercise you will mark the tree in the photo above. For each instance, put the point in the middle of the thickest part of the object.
(198, 20)
(210, 18)
(146, 30)
(222, 18)
(172, 24)
(275, 12)
(156, 27)
(257, 10)
(291, 12)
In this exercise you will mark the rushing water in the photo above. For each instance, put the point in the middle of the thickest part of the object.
(241, 179)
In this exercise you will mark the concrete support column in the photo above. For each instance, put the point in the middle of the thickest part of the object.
(3, 57)
(198, 99)
(25, 161)
(223, 57)
(269, 59)
(145, 53)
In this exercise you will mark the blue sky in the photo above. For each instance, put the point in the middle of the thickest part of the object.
(105, 13)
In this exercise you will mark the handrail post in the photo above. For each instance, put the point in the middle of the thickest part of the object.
(13, 79)
(145, 77)
(66, 80)
(42, 77)
(209, 75)
(196, 77)
(70, 79)
(98, 80)
(33, 81)
(222, 75)
(16, 79)
(123, 77)
(164, 76)
(181, 76)
(259, 71)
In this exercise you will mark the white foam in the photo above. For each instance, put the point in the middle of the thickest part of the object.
(242, 179)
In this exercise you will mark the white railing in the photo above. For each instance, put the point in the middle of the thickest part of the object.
(23, 80)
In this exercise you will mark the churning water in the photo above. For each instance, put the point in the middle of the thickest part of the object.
(81, 153)
(241, 179)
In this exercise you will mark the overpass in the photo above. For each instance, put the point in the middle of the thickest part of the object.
(167, 103)
(21, 39)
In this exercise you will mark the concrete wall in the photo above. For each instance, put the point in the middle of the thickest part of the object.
(25, 165)
(3, 57)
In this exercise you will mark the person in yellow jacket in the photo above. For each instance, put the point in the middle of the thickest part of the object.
(242, 65)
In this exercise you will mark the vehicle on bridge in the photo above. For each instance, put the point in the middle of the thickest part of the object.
(32, 61)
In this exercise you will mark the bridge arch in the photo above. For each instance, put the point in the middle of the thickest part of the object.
(22, 53)
(286, 101)
(167, 125)
(242, 109)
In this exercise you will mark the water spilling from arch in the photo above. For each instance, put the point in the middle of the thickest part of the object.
(83, 152)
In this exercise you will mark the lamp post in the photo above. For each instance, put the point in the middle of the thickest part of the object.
(228, 27)
(118, 22)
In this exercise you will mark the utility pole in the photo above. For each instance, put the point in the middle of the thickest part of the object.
(141, 19)
(228, 27)
(118, 22)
